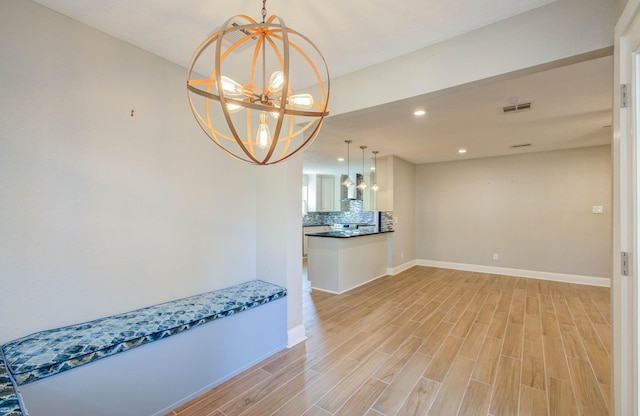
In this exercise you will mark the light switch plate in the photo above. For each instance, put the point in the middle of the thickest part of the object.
(597, 209)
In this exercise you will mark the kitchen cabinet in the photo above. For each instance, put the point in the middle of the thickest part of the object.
(325, 193)
(320, 193)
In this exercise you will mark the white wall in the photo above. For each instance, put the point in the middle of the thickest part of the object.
(404, 211)
(534, 210)
(278, 236)
(384, 178)
(101, 212)
(620, 5)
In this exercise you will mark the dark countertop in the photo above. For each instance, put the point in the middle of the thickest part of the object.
(341, 223)
(346, 233)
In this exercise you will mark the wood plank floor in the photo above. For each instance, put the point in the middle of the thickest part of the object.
(433, 341)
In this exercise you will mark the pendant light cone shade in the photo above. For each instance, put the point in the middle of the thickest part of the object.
(362, 185)
(257, 67)
(347, 182)
(375, 186)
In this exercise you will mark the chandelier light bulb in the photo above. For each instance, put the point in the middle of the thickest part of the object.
(276, 81)
(231, 87)
(263, 136)
(303, 101)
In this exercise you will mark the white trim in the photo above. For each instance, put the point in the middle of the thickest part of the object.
(351, 288)
(533, 274)
(296, 335)
(624, 292)
(392, 271)
(324, 290)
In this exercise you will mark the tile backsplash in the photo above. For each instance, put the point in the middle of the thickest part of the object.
(386, 220)
(354, 215)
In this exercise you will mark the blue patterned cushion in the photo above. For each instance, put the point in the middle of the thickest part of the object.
(10, 400)
(51, 352)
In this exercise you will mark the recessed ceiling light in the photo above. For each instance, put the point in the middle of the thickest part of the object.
(462, 151)
(340, 159)
(419, 113)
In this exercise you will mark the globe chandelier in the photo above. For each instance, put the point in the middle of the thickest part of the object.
(266, 97)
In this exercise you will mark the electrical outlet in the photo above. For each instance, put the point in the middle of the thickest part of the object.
(496, 256)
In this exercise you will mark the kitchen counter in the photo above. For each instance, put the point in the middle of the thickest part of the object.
(346, 233)
(345, 225)
(338, 262)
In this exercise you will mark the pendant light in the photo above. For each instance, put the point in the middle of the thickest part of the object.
(362, 185)
(375, 186)
(348, 182)
(251, 81)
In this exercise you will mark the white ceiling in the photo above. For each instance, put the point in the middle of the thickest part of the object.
(570, 104)
(351, 34)
(570, 107)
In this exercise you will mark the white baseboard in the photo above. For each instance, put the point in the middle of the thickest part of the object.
(351, 288)
(533, 274)
(296, 335)
(392, 271)
(324, 290)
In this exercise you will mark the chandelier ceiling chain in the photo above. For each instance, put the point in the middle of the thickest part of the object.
(254, 117)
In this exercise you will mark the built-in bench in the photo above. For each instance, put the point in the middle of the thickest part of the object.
(213, 353)
(10, 400)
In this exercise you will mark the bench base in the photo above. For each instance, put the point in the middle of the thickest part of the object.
(160, 376)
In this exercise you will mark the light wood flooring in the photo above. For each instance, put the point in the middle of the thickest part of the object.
(438, 342)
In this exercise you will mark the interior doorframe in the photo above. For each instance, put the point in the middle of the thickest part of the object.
(624, 289)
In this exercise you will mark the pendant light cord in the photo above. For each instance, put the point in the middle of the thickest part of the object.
(347, 182)
(348, 173)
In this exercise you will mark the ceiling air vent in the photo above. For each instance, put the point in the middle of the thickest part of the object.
(236, 35)
(515, 108)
